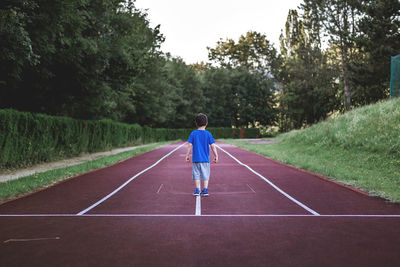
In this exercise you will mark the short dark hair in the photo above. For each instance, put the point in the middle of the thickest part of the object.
(201, 119)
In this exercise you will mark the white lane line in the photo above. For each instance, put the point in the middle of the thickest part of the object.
(251, 188)
(127, 182)
(208, 215)
(31, 239)
(270, 183)
(159, 189)
(300, 215)
(197, 211)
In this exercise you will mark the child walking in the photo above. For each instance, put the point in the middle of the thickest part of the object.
(200, 141)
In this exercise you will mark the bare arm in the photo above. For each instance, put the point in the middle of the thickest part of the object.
(189, 149)
(214, 150)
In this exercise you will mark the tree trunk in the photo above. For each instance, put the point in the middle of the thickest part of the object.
(345, 73)
(345, 57)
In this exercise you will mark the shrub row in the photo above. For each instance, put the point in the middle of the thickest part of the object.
(234, 133)
(27, 139)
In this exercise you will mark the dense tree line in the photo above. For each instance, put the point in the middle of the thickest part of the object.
(92, 59)
(101, 59)
(78, 58)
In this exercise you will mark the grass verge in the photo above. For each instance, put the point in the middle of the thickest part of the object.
(370, 172)
(360, 148)
(24, 185)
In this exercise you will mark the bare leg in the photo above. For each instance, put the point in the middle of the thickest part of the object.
(197, 183)
(205, 184)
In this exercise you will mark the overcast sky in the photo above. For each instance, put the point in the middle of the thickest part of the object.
(190, 26)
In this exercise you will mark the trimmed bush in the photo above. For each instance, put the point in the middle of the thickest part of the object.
(27, 138)
(234, 132)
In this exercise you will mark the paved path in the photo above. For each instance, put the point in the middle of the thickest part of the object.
(141, 212)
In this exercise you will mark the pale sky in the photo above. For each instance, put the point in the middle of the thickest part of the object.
(190, 26)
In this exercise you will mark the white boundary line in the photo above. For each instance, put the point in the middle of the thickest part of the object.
(206, 215)
(127, 182)
(197, 211)
(270, 183)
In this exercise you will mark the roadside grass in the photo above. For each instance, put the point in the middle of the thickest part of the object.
(360, 148)
(24, 185)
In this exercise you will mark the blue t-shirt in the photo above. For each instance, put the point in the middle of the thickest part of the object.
(201, 141)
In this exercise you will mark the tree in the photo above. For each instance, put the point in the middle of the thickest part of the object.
(252, 51)
(15, 46)
(237, 97)
(133, 65)
(65, 79)
(246, 80)
(184, 89)
(217, 87)
(78, 58)
(307, 87)
(338, 19)
(379, 39)
(294, 36)
(253, 92)
(200, 67)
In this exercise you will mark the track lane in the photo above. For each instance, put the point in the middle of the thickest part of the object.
(276, 228)
(176, 241)
(322, 195)
(147, 184)
(268, 182)
(141, 197)
(231, 186)
(78, 193)
(235, 190)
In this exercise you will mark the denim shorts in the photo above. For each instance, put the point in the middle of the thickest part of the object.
(201, 171)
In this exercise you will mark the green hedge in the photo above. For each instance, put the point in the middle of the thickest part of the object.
(27, 138)
(234, 133)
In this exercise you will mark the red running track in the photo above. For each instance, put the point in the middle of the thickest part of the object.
(259, 213)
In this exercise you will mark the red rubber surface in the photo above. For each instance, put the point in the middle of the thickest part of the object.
(321, 195)
(244, 222)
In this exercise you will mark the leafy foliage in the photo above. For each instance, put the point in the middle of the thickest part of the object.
(245, 79)
(238, 97)
(379, 39)
(307, 81)
(91, 59)
(86, 57)
(252, 51)
(335, 56)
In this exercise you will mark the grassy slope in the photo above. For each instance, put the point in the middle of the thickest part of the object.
(360, 148)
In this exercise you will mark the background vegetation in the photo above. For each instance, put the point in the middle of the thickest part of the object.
(91, 59)
(96, 67)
